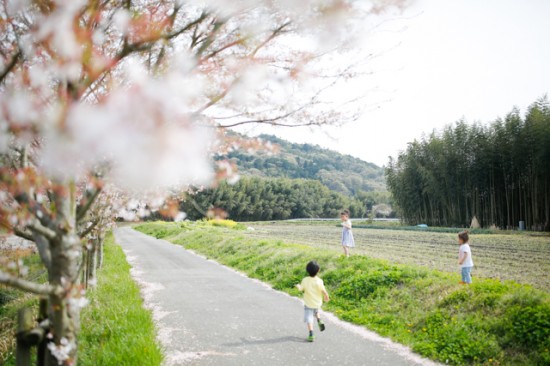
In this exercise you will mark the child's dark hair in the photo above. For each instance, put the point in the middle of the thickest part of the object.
(344, 212)
(464, 236)
(312, 268)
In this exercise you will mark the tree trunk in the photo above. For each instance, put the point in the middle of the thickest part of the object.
(100, 251)
(64, 308)
(92, 262)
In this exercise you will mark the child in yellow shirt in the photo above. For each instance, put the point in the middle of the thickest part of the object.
(314, 293)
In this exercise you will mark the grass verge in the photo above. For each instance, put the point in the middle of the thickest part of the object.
(116, 329)
(487, 323)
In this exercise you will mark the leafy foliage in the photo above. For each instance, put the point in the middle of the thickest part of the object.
(498, 173)
(488, 322)
(255, 198)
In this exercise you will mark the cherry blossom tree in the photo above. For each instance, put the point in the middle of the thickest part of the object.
(131, 94)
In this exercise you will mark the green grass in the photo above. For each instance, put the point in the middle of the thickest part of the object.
(490, 322)
(7, 323)
(116, 329)
(523, 257)
(11, 300)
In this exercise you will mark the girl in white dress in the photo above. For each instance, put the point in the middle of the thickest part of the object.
(347, 235)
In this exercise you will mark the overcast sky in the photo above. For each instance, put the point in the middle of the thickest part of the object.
(440, 61)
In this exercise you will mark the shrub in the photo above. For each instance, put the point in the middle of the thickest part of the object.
(362, 285)
(526, 328)
(230, 224)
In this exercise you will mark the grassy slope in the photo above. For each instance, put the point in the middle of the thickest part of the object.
(116, 329)
(523, 257)
(488, 322)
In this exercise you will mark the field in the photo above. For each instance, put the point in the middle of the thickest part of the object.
(522, 257)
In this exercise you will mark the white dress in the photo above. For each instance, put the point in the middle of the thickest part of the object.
(347, 235)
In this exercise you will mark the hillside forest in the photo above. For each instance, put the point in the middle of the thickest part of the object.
(499, 173)
(341, 173)
(297, 181)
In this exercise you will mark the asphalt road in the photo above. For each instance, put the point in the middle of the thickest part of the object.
(208, 314)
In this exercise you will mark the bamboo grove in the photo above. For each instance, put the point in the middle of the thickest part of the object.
(499, 173)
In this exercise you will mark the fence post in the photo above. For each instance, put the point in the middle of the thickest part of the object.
(84, 275)
(23, 349)
(41, 348)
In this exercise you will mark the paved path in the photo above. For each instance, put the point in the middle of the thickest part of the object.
(208, 314)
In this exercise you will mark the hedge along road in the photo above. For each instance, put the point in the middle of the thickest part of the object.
(208, 314)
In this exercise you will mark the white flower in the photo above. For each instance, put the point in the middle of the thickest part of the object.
(61, 352)
(78, 302)
(121, 20)
(59, 26)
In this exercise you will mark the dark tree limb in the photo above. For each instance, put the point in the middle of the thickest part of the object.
(90, 199)
(39, 229)
(43, 246)
(38, 210)
(45, 290)
(273, 34)
(23, 234)
(10, 66)
(88, 229)
(148, 45)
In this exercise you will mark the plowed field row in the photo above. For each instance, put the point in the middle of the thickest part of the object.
(524, 258)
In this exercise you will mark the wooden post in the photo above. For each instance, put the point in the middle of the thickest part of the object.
(42, 345)
(24, 325)
(100, 251)
(84, 274)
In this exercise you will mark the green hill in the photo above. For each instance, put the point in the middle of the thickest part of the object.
(340, 173)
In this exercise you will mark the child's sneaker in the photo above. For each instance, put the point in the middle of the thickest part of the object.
(321, 325)
(310, 338)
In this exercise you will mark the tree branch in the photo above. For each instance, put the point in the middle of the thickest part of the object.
(273, 34)
(209, 39)
(273, 121)
(89, 229)
(43, 246)
(197, 21)
(23, 234)
(148, 44)
(37, 209)
(21, 284)
(229, 45)
(42, 230)
(82, 210)
(10, 66)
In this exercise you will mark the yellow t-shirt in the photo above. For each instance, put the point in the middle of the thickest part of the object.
(313, 288)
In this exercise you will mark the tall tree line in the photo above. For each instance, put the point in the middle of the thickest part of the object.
(499, 173)
(253, 198)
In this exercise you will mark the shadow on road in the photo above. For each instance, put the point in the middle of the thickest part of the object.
(245, 342)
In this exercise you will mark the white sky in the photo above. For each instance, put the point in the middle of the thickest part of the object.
(440, 61)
